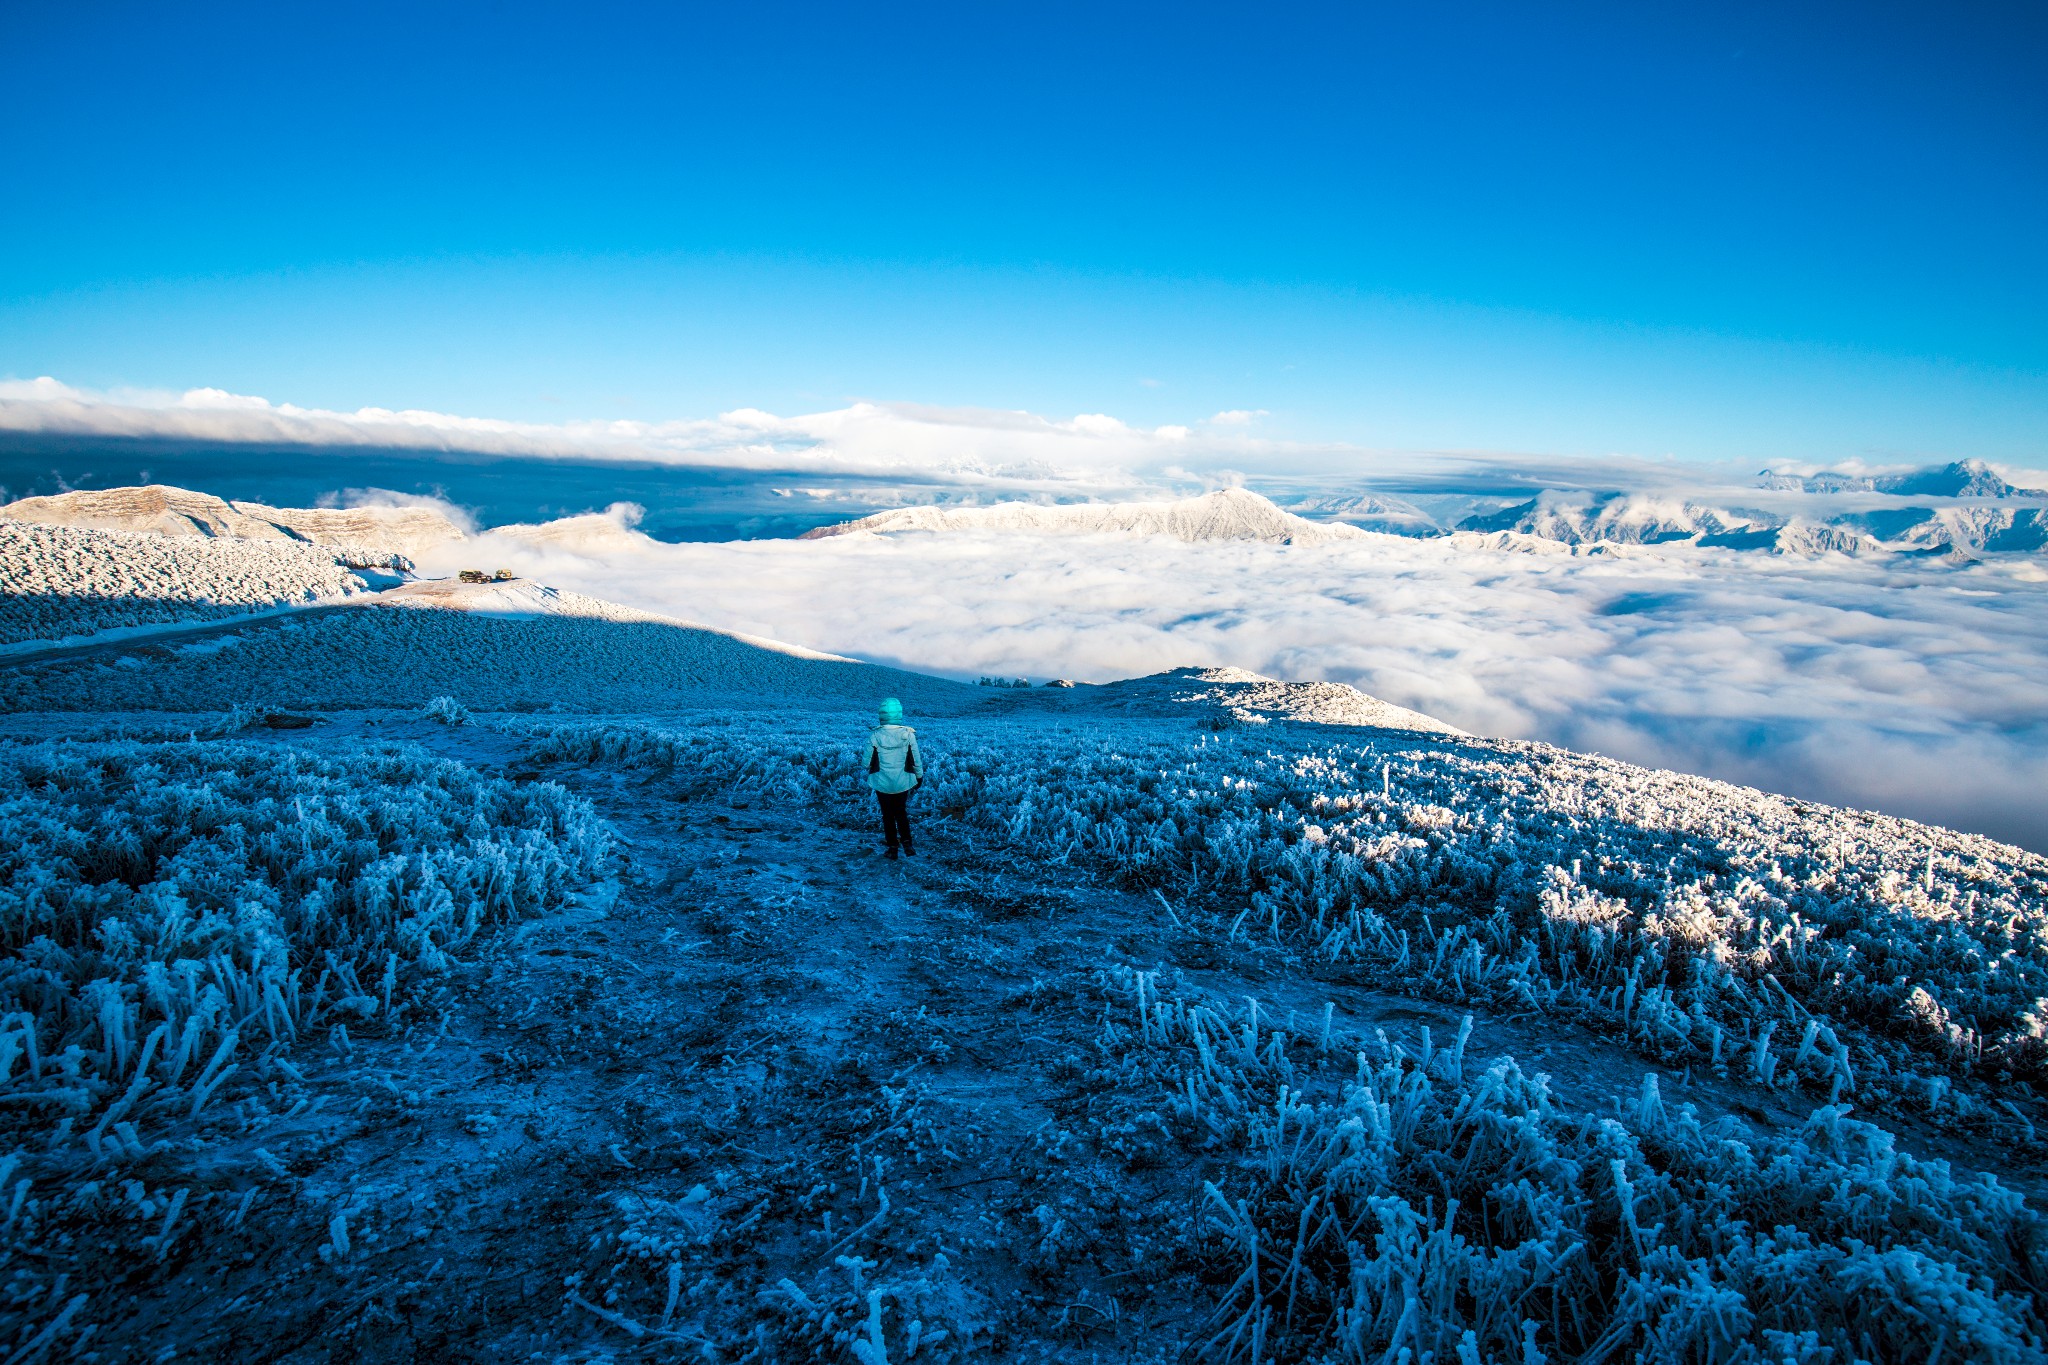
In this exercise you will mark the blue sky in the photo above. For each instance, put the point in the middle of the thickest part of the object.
(1721, 233)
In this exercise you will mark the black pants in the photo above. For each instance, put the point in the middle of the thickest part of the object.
(895, 817)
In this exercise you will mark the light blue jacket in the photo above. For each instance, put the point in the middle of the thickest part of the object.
(891, 760)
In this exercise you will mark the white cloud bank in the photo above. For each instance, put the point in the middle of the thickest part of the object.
(1089, 454)
(1905, 686)
(971, 444)
(1086, 454)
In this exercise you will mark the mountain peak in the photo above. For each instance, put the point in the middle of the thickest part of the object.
(1222, 515)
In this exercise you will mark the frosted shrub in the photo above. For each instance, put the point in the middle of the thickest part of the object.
(447, 710)
(1389, 1202)
(1695, 914)
(165, 908)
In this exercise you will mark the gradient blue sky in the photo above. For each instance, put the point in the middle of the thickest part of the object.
(1722, 233)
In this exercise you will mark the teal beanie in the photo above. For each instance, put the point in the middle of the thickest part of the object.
(891, 711)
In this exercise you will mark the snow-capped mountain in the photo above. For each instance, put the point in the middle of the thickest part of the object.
(1228, 514)
(1631, 519)
(1960, 479)
(1635, 519)
(66, 583)
(1961, 527)
(1964, 529)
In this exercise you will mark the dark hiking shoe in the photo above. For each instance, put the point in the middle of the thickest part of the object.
(908, 851)
(890, 852)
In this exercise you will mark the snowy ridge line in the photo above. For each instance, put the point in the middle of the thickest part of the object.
(68, 584)
(1384, 1203)
(1843, 954)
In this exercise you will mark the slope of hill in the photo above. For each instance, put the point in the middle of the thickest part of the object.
(1242, 695)
(361, 536)
(60, 583)
(490, 646)
(1228, 514)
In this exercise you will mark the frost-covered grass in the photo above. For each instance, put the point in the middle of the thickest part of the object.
(168, 911)
(176, 919)
(1401, 1202)
(406, 658)
(1854, 955)
(57, 582)
(1375, 1199)
(777, 1101)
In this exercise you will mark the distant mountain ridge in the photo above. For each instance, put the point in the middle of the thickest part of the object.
(1578, 519)
(1958, 479)
(1969, 511)
(1634, 519)
(1230, 514)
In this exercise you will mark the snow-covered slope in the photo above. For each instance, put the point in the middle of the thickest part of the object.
(358, 535)
(377, 532)
(62, 582)
(595, 535)
(1229, 514)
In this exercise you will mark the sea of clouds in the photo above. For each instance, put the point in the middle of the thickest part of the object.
(1911, 686)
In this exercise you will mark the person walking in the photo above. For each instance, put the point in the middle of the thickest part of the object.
(895, 769)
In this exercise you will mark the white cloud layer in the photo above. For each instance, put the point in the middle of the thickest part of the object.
(1089, 453)
(1910, 687)
(972, 444)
